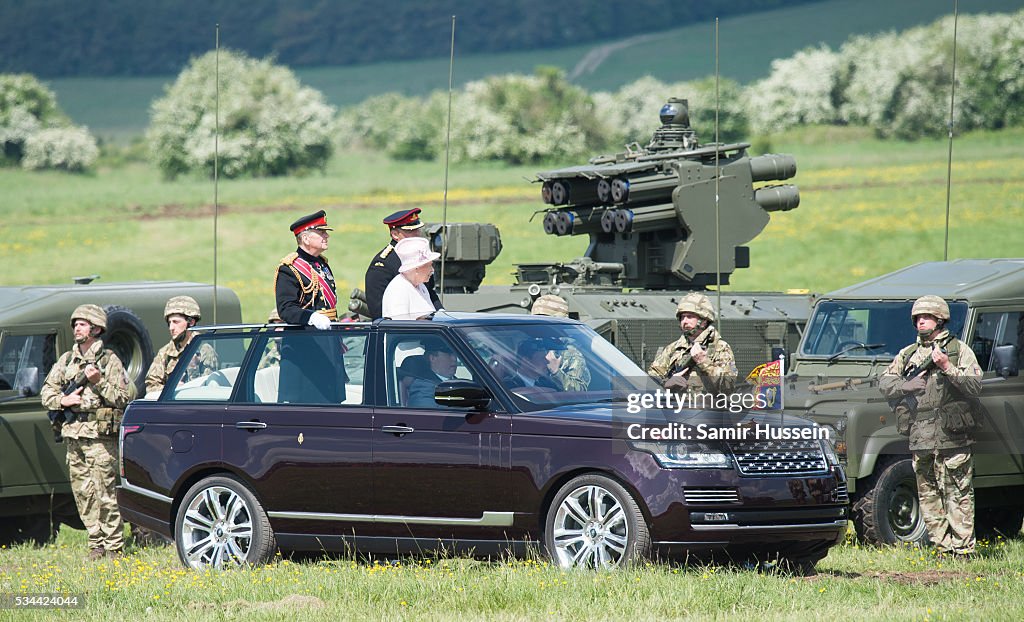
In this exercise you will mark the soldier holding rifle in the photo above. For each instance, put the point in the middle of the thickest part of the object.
(933, 385)
(700, 361)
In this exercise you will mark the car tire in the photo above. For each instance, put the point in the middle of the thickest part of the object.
(887, 510)
(220, 523)
(593, 522)
(127, 336)
(998, 521)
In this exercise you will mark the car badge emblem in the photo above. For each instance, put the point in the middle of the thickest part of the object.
(300, 438)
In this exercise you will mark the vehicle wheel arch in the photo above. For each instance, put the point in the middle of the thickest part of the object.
(186, 483)
(556, 484)
(879, 450)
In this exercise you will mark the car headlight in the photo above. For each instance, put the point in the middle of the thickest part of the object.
(689, 455)
(830, 453)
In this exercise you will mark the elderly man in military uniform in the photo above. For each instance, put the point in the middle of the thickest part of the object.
(569, 368)
(312, 370)
(181, 313)
(90, 382)
(384, 265)
(700, 361)
(933, 386)
(304, 285)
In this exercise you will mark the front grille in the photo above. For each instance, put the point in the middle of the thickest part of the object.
(779, 457)
(711, 495)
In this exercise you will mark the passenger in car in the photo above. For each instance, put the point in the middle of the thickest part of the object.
(443, 364)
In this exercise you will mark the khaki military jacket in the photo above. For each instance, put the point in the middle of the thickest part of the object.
(942, 390)
(573, 373)
(717, 374)
(204, 362)
(106, 398)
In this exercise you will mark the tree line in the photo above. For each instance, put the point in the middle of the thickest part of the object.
(51, 38)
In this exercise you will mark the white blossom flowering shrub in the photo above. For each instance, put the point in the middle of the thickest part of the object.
(62, 148)
(799, 91)
(26, 107)
(269, 123)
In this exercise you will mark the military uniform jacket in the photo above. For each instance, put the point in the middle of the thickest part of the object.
(942, 390)
(383, 268)
(299, 296)
(573, 373)
(111, 392)
(204, 362)
(717, 374)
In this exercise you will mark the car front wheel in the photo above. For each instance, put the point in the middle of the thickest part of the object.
(594, 522)
(221, 524)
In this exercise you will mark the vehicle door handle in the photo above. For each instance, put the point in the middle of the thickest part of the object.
(400, 430)
(250, 425)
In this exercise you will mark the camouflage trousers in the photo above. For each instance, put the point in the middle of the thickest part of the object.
(92, 465)
(945, 490)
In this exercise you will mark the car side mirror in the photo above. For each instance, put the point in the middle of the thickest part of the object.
(462, 394)
(1006, 360)
(26, 381)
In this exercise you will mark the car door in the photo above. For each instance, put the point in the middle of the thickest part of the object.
(439, 472)
(999, 450)
(299, 428)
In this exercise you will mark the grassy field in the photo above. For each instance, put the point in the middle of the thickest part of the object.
(867, 207)
(118, 108)
(853, 583)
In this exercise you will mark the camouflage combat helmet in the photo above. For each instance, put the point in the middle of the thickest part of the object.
(93, 314)
(932, 305)
(551, 305)
(698, 304)
(182, 305)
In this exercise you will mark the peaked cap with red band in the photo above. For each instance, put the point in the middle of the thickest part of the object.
(313, 221)
(406, 219)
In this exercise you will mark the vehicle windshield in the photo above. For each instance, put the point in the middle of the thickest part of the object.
(548, 365)
(867, 329)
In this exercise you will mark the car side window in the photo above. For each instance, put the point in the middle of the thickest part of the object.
(997, 329)
(305, 367)
(415, 363)
(211, 371)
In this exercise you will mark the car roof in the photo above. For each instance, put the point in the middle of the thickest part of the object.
(975, 280)
(442, 318)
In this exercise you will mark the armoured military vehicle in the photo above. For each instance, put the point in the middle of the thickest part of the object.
(654, 233)
(35, 329)
(852, 336)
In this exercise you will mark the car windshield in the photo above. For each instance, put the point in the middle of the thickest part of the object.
(862, 329)
(547, 365)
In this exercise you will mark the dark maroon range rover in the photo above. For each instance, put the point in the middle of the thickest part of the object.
(453, 434)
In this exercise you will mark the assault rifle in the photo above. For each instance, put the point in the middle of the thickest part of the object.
(909, 400)
(686, 362)
(58, 418)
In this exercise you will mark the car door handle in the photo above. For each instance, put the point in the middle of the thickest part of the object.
(250, 425)
(397, 429)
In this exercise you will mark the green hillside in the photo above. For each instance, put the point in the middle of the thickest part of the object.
(118, 107)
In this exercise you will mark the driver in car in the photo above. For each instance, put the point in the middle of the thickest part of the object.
(534, 368)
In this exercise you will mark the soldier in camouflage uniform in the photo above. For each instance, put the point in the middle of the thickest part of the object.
(181, 314)
(700, 361)
(569, 369)
(98, 403)
(941, 377)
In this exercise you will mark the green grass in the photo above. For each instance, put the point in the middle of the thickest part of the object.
(118, 108)
(867, 207)
(854, 583)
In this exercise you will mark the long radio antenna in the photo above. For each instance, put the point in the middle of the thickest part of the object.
(447, 151)
(216, 153)
(718, 172)
(949, 162)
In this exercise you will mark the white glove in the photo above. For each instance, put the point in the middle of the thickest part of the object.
(320, 321)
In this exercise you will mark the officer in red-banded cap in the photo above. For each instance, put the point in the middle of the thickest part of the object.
(384, 265)
(303, 284)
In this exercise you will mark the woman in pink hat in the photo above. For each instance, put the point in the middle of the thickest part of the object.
(407, 296)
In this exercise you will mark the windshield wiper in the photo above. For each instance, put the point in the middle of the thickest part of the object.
(855, 346)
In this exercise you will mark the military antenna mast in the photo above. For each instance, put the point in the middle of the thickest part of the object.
(216, 151)
(447, 150)
(949, 162)
(718, 174)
